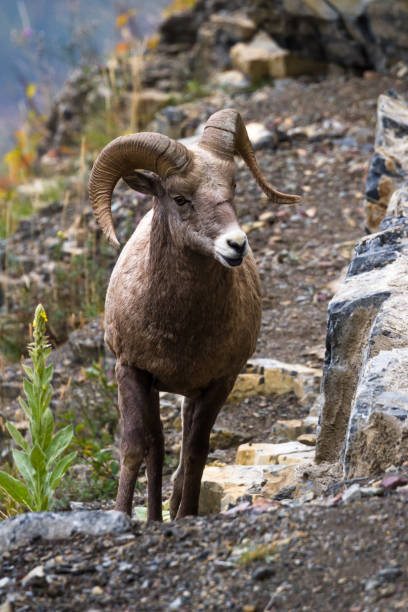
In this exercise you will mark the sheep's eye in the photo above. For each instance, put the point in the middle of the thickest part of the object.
(180, 200)
(234, 185)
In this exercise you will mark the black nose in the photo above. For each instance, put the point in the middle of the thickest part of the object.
(239, 248)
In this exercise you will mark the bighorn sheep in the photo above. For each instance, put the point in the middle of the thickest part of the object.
(183, 306)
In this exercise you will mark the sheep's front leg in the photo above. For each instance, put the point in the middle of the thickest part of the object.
(199, 416)
(155, 456)
(141, 435)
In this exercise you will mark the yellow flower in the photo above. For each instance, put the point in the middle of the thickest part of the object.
(30, 90)
(44, 387)
(44, 316)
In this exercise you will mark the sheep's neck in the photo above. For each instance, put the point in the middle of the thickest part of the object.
(182, 276)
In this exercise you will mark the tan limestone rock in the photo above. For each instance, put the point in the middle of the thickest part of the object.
(260, 58)
(306, 456)
(291, 429)
(279, 479)
(264, 453)
(272, 377)
(307, 438)
(221, 486)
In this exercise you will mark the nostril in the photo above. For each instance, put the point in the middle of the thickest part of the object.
(240, 248)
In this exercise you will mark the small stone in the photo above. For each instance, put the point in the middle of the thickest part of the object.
(387, 590)
(36, 577)
(392, 482)
(371, 584)
(285, 493)
(230, 79)
(176, 604)
(389, 574)
(306, 497)
(351, 494)
(4, 582)
(263, 572)
(307, 438)
(124, 566)
(97, 591)
(371, 491)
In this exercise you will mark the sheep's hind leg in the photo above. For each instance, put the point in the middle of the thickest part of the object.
(203, 412)
(135, 398)
(187, 412)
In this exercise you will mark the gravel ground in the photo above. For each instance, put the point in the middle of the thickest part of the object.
(352, 557)
(349, 557)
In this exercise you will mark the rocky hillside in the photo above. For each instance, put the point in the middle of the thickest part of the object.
(291, 534)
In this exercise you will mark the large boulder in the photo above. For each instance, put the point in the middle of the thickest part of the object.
(365, 385)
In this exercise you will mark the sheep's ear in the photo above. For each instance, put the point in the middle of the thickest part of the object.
(144, 183)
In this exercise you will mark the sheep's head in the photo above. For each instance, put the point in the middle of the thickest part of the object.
(195, 186)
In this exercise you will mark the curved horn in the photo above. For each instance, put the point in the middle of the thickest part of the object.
(225, 135)
(146, 150)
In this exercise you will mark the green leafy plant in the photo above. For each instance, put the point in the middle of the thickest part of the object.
(140, 512)
(40, 463)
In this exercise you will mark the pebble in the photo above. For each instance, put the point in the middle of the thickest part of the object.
(4, 582)
(371, 491)
(352, 493)
(97, 591)
(389, 574)
(124, 566)
(36, 577)
(176, 604)
(263, 572)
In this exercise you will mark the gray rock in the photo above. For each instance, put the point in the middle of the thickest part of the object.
(24, 528)
(5, 582)
(365, 385)
(389, 574)
(263, 572)
(351, 494)
(35, 577)
(387, 170)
